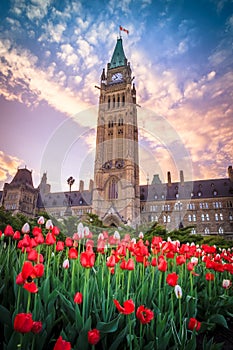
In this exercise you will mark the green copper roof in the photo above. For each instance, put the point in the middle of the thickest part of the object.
(118, 57)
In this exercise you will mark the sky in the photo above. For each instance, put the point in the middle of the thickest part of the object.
(52, 55)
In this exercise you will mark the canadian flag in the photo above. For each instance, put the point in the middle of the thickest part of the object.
(124, 30)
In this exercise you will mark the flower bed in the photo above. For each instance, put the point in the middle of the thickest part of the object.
(111, 292)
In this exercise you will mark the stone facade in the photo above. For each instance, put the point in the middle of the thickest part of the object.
(20, 196)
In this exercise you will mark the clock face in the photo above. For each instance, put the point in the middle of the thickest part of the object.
(116, 77)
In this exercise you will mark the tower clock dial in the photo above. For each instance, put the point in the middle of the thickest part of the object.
(117, 77)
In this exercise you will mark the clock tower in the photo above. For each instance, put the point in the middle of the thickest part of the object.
(116, 197)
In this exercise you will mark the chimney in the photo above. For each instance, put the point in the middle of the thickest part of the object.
(169, 180)
(81, 186)
(91, 185)
(182, 177)
(230, 173)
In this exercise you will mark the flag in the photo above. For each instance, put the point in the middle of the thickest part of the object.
(124, 30)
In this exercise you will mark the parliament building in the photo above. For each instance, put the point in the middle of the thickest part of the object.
(115, 194)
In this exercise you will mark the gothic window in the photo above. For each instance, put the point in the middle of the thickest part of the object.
(207, 230)
(221, 216)
(216, 216)
(194, 217)
(164, 219)
(109, 101)
(230, 216)
(168, 218)
(113, 102)
(193, 231)
(202, 217)
(189, 217)
(113, 191)
(207, 217)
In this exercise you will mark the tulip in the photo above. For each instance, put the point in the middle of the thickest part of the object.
(178, 291)
(78, 298)
(93, 336)
(41, 220)
(8, 231)
(226, 284)
(37, 327)
(49, 225)
(194, 324)
(62, 344)
(144, 315)
(25, 228)
(172, 279)
(23, 323)
(66, 264)
(73, 254)
(127, 308)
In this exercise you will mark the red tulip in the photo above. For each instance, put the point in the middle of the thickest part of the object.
(129, 264)
(190, 266)
(73, 253)
(60, 246)
(78, 298)
(37, 327)
(55, 230)
(39, 238)
(162, 266)
(8, 231)
(50, 239)
(39, 270)
(209, 276)
(23, 323)
(36, 231)
(128, 307)
(32, 255)
(93, 336)
(69, 242)
(144, 315)
(62, 344)
(17, 235)
(154, 262)
(172, 279)
(111, 261)
(180, 259)
(194, 324)
(87, 258)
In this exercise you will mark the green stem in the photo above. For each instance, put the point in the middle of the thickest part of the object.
(29, 302)
(180, 313)
(128, 284)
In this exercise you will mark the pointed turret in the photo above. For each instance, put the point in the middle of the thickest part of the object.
(118, 57)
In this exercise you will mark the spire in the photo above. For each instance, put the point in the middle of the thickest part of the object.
(118, 57)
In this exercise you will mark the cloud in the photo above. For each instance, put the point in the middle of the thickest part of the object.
(8, 164)
(26, 83)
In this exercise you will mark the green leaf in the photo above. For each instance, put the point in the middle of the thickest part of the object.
(108, 327)
(82, 342)
(5, 316)
(120, 337)
(218, 319)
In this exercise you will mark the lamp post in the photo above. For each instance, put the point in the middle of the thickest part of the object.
(70, 182)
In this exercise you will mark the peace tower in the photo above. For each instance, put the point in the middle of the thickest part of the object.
(116, 197)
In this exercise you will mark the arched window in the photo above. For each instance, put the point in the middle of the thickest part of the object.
(113, 189)
(118, 101)
(202, 217)
(109, 101)
(113, 102)
(207, 230)
(193, 231)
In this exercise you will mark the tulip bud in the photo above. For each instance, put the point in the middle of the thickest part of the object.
(66, 264)
(41, 220)
(178, 291)
(141, 235)
(25, 228)
(49, 225)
